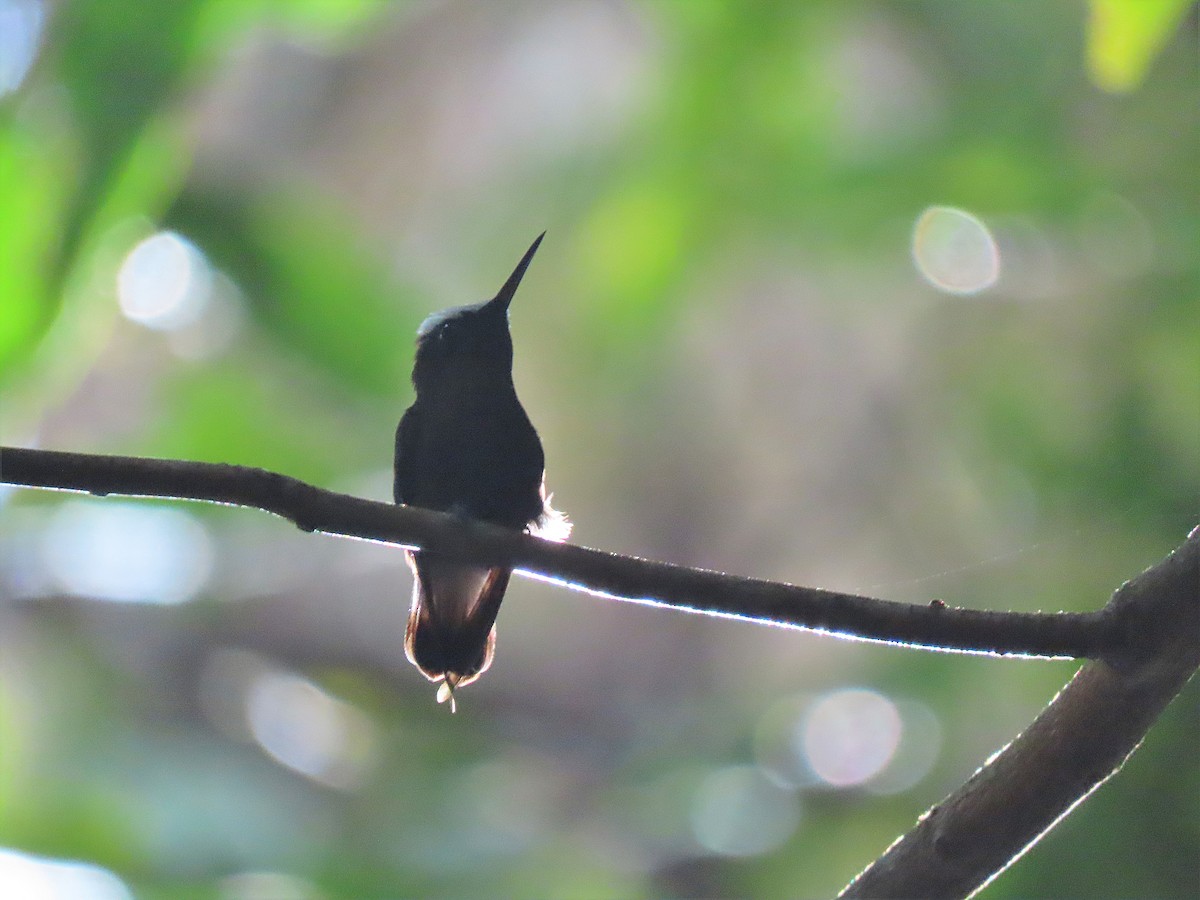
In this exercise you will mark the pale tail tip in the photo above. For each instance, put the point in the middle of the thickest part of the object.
(446, 693)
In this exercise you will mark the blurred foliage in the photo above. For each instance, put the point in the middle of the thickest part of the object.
(1124, 36)
(732, 361)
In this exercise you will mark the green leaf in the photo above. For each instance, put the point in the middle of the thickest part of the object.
(310, 284)
(32, 197)
(121, 62)
(1124, 36)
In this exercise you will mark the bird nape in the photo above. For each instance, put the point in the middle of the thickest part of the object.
(466, 447)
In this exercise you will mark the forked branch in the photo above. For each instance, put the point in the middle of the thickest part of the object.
(1143, 645)
(1078, 742)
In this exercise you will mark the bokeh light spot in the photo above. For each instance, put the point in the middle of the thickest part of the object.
(738, 811)
(775, 748)
(306, 729)
(266, 885)
(954, 251)
(217, 328)
(24, 877)
(20, 31)
(128, 552)
(164, 283)
(849, 736)
(501, 807)
(1115, 236)
(920, 745)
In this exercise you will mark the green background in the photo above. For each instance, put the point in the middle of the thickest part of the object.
(733, 363)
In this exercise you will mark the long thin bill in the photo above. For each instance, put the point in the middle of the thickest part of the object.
(502, 299)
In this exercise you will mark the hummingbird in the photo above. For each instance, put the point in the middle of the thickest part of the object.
(467, 447)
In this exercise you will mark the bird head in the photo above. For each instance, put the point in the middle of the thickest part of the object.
(474, 336)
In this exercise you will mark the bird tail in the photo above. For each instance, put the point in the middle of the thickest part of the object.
(450, 635)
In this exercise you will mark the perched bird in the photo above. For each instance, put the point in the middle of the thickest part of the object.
(466, 447)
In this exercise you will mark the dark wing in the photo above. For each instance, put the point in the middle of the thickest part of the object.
(532, 457)
(525, 465)
(405, 465)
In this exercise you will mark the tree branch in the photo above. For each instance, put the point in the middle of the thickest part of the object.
(1145, 644)
(1079, 740)
(936, 626)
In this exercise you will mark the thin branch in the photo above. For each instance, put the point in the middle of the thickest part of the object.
(1078, 742)
(936, 626)
(1145, 645)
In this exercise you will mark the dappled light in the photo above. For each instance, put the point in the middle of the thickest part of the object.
(127, 552)
(304, 728)
(501, 808)
(849, 736)
(164, 283)
(1115, 236)
(738, 811)
(919, 747)
(21, 23)
(266, 885)
(954, 251)
(24, 877)
(292, 719)
(894, 299)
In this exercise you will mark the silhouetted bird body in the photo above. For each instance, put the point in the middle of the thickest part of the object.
(466, 446)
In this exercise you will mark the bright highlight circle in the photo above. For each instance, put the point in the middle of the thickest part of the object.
(954, 251)
(129, 552)
(25, 877)
(738, 811)
(849, 736)
(164, 283)
(311, 732)
(21, 24)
